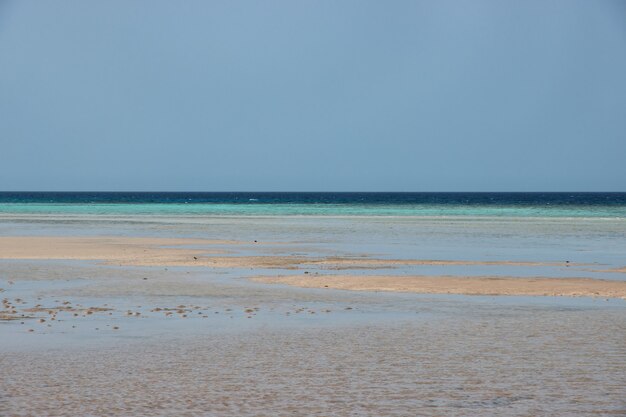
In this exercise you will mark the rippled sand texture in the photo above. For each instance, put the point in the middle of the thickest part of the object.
(523, 363)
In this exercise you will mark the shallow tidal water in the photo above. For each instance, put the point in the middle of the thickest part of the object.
(535, 364)
(240, 348)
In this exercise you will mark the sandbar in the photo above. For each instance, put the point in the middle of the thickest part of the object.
(140, 251)
(122, 249)
(481, 285)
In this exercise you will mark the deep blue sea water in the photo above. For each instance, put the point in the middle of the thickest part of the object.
(610, 205)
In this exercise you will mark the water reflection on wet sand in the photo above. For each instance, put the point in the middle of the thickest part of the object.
(551, 361)
(155, 341)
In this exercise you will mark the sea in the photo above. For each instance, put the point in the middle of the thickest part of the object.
(433, 204)
(245, 348)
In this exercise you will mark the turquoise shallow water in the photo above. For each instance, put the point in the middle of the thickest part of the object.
(608, 205)
(260, 209)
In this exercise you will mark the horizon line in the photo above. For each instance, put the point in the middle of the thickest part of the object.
(305, 192)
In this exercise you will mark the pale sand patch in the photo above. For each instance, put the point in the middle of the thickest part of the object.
(342, 263)
(330, 263)
(248, 262)
(134, 251)
(333, 263)
(620, 270)
(115, 249)
(483, 285)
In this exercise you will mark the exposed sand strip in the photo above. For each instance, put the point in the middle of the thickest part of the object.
(618, 270)
(332, 263)
(133, 251)
(365, 263)
(127, 249)
(458, 285)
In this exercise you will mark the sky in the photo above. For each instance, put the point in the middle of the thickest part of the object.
(302, 95)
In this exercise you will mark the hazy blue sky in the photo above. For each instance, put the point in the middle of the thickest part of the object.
(313, 95)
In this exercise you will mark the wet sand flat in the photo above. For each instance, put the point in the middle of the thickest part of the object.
(540, 362)
(137, 251)
(123, 326)
(134, 251)
(458, 285)
(100, 247)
